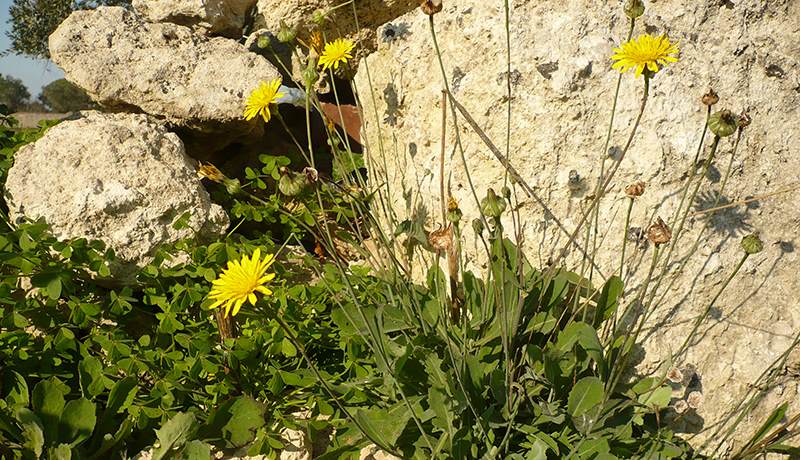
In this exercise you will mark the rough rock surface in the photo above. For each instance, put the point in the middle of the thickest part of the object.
(119, 178)
(217, 17)
(340, 22)
(161, 69)
(562, 88)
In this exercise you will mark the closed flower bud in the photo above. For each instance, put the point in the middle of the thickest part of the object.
(723, 123)
(286, 34)
(319, 17)
(493, 205)
(752, 244)
(634, 8)
(636, 189)
(233, 186)
(310, 74)
(710, 98)
(431, 7)
(477, 226)
(744, 120)
(263, 41)
(210, 172)
(506, 193)
(659, 233)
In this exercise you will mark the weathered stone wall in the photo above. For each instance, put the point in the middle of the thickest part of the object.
(562, 88)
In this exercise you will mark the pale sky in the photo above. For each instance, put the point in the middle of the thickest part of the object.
(35, 73)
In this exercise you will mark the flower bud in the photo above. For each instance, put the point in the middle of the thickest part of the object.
(710, 98)
(319, 17)
(441, 240)
(431, 7)
(210, 172)
(310, 74)
(723, 123)
(493, 205)
(634, 8)
(286, 34)
(233, 186)
(477, 226)
(659, 233)
(263, 41)
(636, 189)
(506, 193)
(752, 244)
(744, 120)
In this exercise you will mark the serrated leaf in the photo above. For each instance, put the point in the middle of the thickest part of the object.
(384, 425)
(15, 389)
(62, 452)
(32, 431)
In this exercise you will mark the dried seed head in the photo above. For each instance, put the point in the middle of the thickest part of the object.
(286, 34)
(744, 120)
(636, 189)
(695, 399)
(659, 233)
(634, 8)
(431, 7)
(723, 123)
(441, 240)
(710, 98)
(312, 175)
(675, 375)
(752, 244)
(681, 406)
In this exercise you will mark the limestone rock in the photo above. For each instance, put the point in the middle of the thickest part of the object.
(119, 178)
(161, 69)
(562, 87)
(373, 452)
(299, 15)
(216, 17)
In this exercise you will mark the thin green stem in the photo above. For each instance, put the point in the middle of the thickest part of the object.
(702, 317)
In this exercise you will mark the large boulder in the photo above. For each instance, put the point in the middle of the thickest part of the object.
(562, 89)
(119, 178)
(164, 70)
(215, 17)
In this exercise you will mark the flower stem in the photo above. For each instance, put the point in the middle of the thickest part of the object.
(328, 389)
(702, 317)
(625, 238)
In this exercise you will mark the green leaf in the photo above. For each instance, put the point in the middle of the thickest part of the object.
(15, 388)
(772, 421)
(48, 404)
(585, 336)
(32, 432)
(608, 302)
(196, 450)
(236, 421)
(174, 434)
(585, 395)
(383, 425)
(77, 422)
(62, 452)
(658, 398)
(90, 374)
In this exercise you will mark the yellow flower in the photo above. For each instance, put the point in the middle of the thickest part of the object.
(645, 52)
(336, 52)
(240, 281)
(260, 99)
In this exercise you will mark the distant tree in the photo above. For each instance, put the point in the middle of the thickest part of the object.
(33, 107)
(13, 93)
(32, 21)
(62, 96)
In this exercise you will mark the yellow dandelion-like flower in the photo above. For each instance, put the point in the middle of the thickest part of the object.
(645, 52)
(210, 172)
(239, 282)
(260, 99)
(336, 52)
